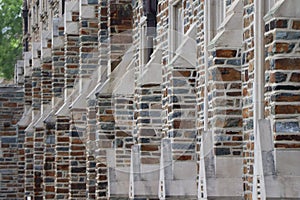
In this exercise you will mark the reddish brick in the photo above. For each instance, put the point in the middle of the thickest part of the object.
(281, 47)
(287, 137)
(149, 148)
(287, 109)
(226, 53)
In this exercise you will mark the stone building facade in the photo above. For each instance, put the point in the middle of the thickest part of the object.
(154, 99)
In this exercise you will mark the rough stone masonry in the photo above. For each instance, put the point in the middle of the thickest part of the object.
(154, 99)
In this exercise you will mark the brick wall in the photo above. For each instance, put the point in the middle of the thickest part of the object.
(12, 108)
(248, 79)
(85, 121)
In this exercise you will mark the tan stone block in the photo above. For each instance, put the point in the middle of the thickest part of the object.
(150, 160)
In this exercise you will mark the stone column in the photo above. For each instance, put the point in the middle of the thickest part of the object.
(38, 161)
(58, 60)
(77, 161)
(149, 123)
(71, 30)
(36, 78)
(49, 159)
(105, 137)
(225, 105)
(62, 140)
(282, 80)
(46, 70)
(91, 149)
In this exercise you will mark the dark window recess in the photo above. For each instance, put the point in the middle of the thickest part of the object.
(63, 7)
(150, 11)
(25, 25)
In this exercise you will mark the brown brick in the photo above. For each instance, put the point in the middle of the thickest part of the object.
(282, 145)
(184, 124)
(281, 47)
(10, 104)
(227, 74)
(287, 109)
(226, 53)
(62, 190)
(49, 189)
(287, 63)
(295, 77)
(183, 157)
(107, 118)
(149, 148)
(296, 24)
(182, 73)
(76, 148)
(287, 137)
(63, 139)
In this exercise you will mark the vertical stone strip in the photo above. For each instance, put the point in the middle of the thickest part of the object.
(200, 77)
(200, 80)
(49, 160)
(21, 161)
(91, 150)
(36, 77)
(62, 141)
(20, 129)
(103, 37)
(28, 79)
(28, 163)
(282, 80)
(46, 69)
(38, 161)
(248, 80)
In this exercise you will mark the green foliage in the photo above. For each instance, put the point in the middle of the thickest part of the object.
(10, 36)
